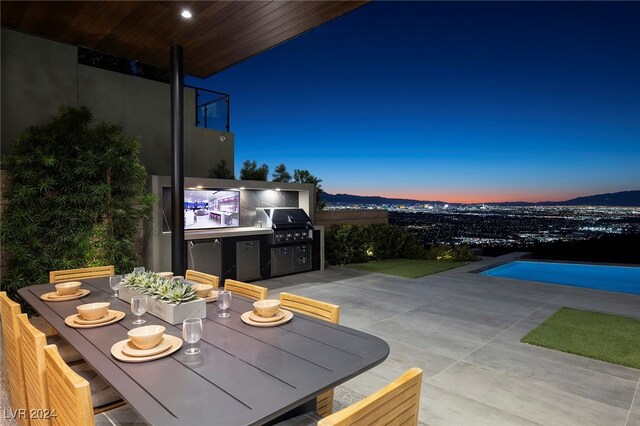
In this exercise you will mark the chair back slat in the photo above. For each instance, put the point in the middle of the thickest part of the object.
(78, 274)
(33, 342)
(9, 311)
(251, 291)
(396, 404)
(69, 394)
(311, 307)
(202, 278)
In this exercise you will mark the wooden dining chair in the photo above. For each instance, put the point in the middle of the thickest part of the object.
(70, 395)
(77, 274)
(251, 291)
(321, 310)
(311, 307)
(202, 278)
(395, 404)
(33, 342)
(9, 311)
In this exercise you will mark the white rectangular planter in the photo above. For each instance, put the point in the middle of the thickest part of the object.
(173, 314)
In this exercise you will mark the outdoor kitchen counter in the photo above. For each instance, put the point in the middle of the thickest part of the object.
(231, 232)
(226, 233)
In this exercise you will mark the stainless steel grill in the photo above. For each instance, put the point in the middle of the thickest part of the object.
(289, 225)
(292, 233)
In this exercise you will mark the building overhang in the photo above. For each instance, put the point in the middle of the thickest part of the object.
(219, 34)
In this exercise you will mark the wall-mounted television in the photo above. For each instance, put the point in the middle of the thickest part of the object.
(205, 208)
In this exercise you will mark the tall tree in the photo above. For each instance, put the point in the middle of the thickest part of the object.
(221, 171)
(303, 176)
(281, 174)
(251, 171)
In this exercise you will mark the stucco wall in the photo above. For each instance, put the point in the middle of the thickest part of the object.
(328, 218)
(39, 75)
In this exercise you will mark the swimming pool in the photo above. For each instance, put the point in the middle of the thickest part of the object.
(625, 279)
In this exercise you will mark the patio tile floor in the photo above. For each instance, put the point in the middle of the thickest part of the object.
(464, 330)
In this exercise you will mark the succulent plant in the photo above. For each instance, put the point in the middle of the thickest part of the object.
(152, 284)
(181, 293)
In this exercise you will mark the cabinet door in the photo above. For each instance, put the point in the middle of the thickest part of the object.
(281, 260)
(302, 258)
(248, 260)
(205, 256)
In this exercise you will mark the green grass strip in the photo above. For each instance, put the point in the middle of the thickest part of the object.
(610, 338)
(409, 268)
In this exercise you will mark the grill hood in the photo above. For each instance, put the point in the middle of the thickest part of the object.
(285, 218)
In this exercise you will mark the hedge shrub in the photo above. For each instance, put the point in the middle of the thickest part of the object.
(346, 244)
(450, 253)
(75, 198)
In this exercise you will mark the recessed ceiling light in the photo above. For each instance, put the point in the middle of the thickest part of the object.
(186, 14)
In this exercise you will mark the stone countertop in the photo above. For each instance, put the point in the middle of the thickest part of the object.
(225, 232)
(244, 231)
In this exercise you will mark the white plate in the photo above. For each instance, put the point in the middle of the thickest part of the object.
(116, 350)
(132, 350)
(247, 320)
(108, 317)
(257, 318)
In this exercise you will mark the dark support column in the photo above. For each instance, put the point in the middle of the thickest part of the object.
(178, 265)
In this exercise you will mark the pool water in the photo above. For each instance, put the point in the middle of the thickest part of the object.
(624, 279)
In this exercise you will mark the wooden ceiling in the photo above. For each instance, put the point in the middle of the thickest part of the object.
(220, 34)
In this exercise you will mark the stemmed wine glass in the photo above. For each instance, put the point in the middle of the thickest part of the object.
(114, 284)
(139, 307)
(224, 301)
(191, 333)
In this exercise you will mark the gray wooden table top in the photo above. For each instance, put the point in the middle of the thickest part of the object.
(243, 374)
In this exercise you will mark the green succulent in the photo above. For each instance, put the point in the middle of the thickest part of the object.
(163, 290)
(181, 293)
(152, 284)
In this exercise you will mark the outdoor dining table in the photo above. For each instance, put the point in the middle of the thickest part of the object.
(243, 375)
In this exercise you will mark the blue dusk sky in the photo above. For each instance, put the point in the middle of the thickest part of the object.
(453, 101)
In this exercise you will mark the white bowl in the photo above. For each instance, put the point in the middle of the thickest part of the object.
(146, 337)
(67, 289)
(93, 311)
(266, 308)
(202, 290)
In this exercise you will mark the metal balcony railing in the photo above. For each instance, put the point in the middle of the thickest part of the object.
(212, 109)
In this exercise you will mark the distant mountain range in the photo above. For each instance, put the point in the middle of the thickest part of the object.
(621, 199)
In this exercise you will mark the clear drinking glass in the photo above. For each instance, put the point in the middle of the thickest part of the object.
(114, 284)
(139, 307)
(191, 333)
(138, 269)
(224, 301)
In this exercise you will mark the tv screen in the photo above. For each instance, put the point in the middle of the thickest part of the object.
(205, 209)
